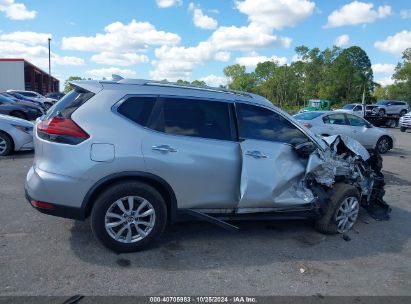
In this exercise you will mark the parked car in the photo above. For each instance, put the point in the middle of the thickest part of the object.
(23, 110)
(405, 122)
(174, 149)
(317, 105)
(392, 107)
(357, 109)
(47, 102)
(55, 95)
(338, 123)
(18, 97)
(15, 135)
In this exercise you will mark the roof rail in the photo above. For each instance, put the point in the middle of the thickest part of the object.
(178, 85)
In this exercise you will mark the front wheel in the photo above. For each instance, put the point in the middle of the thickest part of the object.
(128, 216)
(403, 112)
(381, 112)
(342, 210)
(383, 145)
(6, 144)
(402, 129)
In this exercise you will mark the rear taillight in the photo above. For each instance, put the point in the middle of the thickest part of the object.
(61, 130)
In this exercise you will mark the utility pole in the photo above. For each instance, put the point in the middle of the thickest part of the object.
(49, 68)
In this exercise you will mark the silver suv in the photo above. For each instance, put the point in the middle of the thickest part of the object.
(134, 155)
(392, 107)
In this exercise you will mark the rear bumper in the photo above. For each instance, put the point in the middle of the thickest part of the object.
(59, 210)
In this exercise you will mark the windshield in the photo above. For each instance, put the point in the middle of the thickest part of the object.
(307, 115)
(348, 107)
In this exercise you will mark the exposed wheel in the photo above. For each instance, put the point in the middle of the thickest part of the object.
(403, 112)
(383, 144)
(18, 114)
(381, 112)
(128, 216)
(402, 129)
(342, 210)
(6, 144)
(47, 105)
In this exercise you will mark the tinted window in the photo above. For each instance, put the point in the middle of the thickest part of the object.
(259, 123)
(138, 109)
(358, 108)
(308, 115)
(356, 121)
(28, 94)
(382, 103)
(335, 119)
(69, 103)
(192, 117)
(348, 107)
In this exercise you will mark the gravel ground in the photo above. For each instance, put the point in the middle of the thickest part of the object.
(45, 255)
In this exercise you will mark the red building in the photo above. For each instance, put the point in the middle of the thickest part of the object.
(19, 74)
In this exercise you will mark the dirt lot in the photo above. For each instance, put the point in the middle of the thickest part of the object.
(44, 255)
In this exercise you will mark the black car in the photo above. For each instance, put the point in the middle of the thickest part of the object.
(19, 109)
(55, 95)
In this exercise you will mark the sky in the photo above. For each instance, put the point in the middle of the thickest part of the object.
(182, 39)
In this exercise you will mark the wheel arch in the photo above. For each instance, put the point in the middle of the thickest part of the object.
(155, 181)
(11, 138)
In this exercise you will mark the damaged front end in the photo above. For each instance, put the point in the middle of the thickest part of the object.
(347, 161)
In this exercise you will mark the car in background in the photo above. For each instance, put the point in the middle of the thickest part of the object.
(15, 135)
(327, 123)
(47, 102)
(317, 105)
(405, 122)
(18, 97)
(357, 109)
(23, 110)
(392, 107)
(55, 95)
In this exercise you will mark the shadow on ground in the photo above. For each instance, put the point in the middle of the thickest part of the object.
(200, 245)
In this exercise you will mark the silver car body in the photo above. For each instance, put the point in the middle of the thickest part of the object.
(392, 106)
(367, 134)
(22, 140)
(35, 96)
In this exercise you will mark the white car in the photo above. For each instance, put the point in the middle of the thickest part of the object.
(326, 123)
(356, 109)
(15, 135)
(47, 102)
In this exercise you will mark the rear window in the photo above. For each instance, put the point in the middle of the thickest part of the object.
(69, 103)
(348, 107)
(307, 115)
(137, 109)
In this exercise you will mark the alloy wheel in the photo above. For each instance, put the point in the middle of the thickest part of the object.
(383, 145)
(347, 214)
(3, 145)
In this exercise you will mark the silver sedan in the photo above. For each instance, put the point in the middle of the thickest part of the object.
(328, 123)
(15, 135)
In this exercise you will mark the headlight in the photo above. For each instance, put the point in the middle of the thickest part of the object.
(23, 129)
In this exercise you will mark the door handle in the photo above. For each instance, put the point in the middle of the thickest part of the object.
(163, 148)
(256, 154)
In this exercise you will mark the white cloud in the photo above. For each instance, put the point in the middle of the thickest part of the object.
(342, 40)
(125, 37)
(108, 72)
(30, 38)
(383, 68)
(200, 20)
(16, 11)
(405, 14)
(36, 54)
(385, 81)
(120, 59)
(214, 81)
(275, 14)
(246, 38)
(357, 13)
(253, 59)
(168, 3)
(395, 44)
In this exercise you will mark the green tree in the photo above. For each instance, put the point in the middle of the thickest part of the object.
(198, 82)
(67, 86)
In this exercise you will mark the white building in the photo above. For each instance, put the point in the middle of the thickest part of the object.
(19, 74)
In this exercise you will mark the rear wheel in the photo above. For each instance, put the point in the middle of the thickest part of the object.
(128, 216)
(48, 105)
(342, 210)
(402, 129)
(18, 114)
(383, 144)
(381, 112)
(6, 144)
(403, 112)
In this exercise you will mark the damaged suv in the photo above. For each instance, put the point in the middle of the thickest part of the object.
(134, 155)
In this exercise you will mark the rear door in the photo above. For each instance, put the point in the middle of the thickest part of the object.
(336, 124)
(271, 169)
(191, 144)
(361, 131)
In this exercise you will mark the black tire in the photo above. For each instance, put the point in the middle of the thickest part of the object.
(384, 144)
(381, 112)
(47, 105)
(327, 223)
(6, 140)
(402, 129)
(116, 192)
(18, 114)
(403, 112)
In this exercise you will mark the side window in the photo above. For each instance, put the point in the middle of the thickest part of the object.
(358, 108)
(137, 108)
(259, 123)
(356, 121)
(335, 119)
(193, 117)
